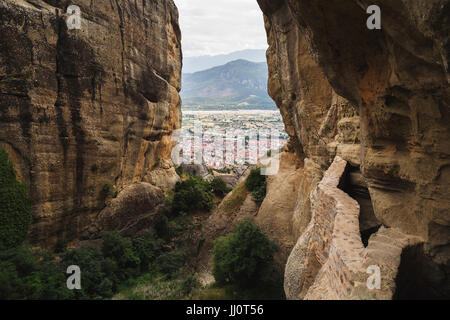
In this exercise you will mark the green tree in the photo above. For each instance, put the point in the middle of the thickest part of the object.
(147, 247)
(256, 183)
(91, 262)
(169, 263)
(244, 259)
(191, 195)
(219, 187)
(15, 205)
(120, 250)
(32, 275)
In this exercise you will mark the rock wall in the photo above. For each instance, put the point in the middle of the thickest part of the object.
(82, 108)
(379, 99)
(330, 261)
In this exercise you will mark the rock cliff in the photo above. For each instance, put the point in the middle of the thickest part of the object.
(380, 101)
(83, 108)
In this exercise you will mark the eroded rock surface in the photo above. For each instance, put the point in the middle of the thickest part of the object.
(83, 108)
(379, 100)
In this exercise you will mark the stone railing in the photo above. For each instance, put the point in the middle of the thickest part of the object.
(329, 260)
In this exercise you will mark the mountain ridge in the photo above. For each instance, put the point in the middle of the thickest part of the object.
(236, 84)
(201, 63)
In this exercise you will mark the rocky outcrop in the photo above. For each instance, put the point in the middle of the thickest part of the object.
(379, 99)
(237, 205)
(134, 209)
(330, 261)
(83, 108)
(276, 212)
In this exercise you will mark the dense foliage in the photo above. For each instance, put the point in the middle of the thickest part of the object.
(35, 274)
(256, 183)
(26, 273)
(15, 205)
(219, 187)
(244, 261)
(31, 274)
(192, 195)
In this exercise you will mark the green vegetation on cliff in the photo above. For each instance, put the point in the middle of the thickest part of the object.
(31, 274)
(256, 183)
(15, 205)
(192, 195)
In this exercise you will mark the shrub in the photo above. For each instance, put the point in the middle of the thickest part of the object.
(244, 259)
(189, 284)
(15, 205)
(27, 274)
(256, 183)
(109, 190)
(162, 226)
(255, 179)
(191, 195)
(170, 263)
(90, 260)
(120, 250)
(219, 187)
(147, 247)
(259, 194)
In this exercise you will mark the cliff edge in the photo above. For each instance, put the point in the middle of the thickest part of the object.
(86, 108)
(380, 100)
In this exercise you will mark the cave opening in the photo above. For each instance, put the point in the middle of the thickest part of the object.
(419, 278)
(354, 184)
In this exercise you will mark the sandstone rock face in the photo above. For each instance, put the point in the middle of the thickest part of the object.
(276, 212)
(82, 108)
(238, 205)
(330, 260)
(133, 210)
(379, 99)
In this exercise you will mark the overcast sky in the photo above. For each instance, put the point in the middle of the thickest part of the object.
(211, 27)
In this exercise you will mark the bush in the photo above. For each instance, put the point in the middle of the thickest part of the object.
(256, 183)
(109, 190)
(170, 263)
(245, 260)
(147, 247)
(93, 278)
(120, 250)
(162, 226)
(255, 179)
(15, 205)
(189, 284)
(191, 195)
(219, 187)
(27, 274)
(259, 194)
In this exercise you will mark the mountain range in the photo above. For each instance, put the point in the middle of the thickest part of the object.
(195, 64)
(238, 84)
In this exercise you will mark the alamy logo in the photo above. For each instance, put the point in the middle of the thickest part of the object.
(374, 281)
(74, 281)
(374, 21)
(74, 19)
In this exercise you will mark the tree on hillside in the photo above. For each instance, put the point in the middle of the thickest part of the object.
(244, 261)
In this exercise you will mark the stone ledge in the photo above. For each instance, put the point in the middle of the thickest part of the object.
(329, 260)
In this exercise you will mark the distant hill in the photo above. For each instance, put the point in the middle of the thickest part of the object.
(195, 64)
(239, 84)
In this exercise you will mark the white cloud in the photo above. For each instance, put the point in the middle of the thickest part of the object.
(211, 27)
